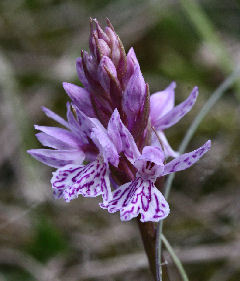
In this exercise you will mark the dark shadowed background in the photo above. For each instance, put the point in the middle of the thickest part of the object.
(43, 239)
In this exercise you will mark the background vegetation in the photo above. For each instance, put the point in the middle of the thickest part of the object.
(191, 42)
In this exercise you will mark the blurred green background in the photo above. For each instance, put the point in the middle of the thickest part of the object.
(191, 42)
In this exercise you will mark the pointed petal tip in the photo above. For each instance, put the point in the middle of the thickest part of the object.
(172, 85)
(208, 144)
(29, 151)
(195, 91)
(37, 127)
(44, 109)
(65, 84)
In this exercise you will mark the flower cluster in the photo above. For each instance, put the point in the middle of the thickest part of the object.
(113, 143)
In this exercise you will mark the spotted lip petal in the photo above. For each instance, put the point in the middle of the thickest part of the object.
(90, 181)
(139, 197)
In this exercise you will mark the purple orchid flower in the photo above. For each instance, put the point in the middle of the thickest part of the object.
(92, 179)
(140, 196)
(164, 114)
(84, 139)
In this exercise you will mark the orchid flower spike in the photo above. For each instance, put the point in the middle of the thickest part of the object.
(107, 137)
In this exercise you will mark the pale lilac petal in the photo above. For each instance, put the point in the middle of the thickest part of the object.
(90, 181)
(122, 138)
(139, 197)
(186, 160)
(161, 103)
(100, 137)
(55, 117)
(75, 126)
(60, 134)
(80, 97)
(57, 158)
(150, 163)
(134, 96)
(86, 124)
(152, 154)
(52, 142)
(173, 116)
(168, 151)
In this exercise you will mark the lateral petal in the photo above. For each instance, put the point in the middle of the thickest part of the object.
(186, 160)
(52, 142)
(57, 158)
(161, 103)
(173, 116)
(60, 134)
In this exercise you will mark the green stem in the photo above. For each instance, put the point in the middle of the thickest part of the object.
(158, 251)
(175, 258)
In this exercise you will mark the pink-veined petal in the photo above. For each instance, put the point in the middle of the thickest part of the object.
(173, 116)
(161, 103)
(90, 181)
(57, 158)
(139, 197)
(186, 160)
